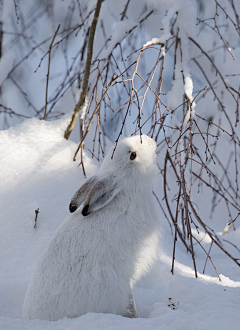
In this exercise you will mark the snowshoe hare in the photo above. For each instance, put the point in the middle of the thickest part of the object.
(96, 255)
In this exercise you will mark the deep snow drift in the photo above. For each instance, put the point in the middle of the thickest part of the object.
(37, 171)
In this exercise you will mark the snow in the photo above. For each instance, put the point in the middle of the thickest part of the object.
(166, 22)
(154, 41)
(37, 171)
(84, 108)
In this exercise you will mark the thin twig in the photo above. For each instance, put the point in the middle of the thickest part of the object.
(48, 71)
(93, 114)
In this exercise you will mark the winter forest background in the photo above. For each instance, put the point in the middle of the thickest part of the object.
(166, 68)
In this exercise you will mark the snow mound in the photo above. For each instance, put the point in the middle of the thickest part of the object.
(37, 171)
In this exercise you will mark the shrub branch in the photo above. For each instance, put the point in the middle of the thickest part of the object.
(82, 98)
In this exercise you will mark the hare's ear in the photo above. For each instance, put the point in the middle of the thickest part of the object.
(80, 195)
(103, 191)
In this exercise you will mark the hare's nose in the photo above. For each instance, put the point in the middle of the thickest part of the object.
(72, 207)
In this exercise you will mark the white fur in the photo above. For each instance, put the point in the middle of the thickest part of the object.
(91, 262)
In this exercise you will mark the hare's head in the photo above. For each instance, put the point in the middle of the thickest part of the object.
(133, 154)
(131, 164)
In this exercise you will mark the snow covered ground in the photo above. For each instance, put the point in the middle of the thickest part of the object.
(37, 171)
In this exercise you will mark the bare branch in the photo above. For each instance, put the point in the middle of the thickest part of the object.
(82, 98)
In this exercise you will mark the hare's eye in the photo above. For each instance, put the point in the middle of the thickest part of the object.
(133, 155)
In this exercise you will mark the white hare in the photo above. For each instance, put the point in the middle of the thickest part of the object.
(96, 255)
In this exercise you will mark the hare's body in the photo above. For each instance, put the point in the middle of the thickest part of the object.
(91, 262)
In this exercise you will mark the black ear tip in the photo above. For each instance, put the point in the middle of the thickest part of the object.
(72, 207)
(85, 211)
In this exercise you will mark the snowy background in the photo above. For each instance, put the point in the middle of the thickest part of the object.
(37, 171)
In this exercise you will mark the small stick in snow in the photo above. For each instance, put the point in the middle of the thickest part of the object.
(36, 216)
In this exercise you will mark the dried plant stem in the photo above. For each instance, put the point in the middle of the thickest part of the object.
(175, 225)
(208, 257)
(167, 203)
(211, 236)
(188, 221)
(48, 71)
(36, 217)
(91, 118)
(81, 152)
